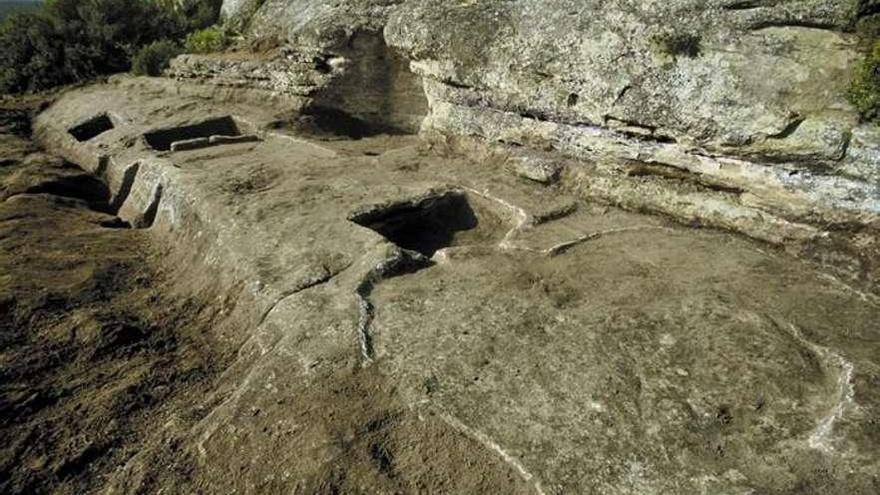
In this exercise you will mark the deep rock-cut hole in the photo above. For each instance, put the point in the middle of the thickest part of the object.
(161, 140)
(91, 128)
(71, 181)
(425, 226)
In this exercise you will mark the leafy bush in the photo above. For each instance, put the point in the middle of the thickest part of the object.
(111, 30)
(864, 89)
(208, 40)
(152, 59)
(31, 56)
(201, 14)
(74, 40)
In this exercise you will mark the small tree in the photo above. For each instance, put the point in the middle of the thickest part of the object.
(30, 53)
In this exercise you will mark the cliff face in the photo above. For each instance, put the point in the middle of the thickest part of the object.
(762, 78)
(746, 96)
(744, 79)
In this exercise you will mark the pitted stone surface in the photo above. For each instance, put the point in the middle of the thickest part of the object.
(573, 348)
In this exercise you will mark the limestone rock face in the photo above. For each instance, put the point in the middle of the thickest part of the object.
(761, 78)
(239, 11)
(746, 95)
(754, 78)
(317, 23)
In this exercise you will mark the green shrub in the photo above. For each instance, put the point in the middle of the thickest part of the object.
(108, 32)
(152, 59)
(73, 40)
(868, 29)
(208, 40)
(864, 89)
(31, 54)
(201, 14)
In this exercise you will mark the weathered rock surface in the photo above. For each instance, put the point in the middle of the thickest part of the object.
(468, 310)
(747, 96)
(415, 319)
(747, 79)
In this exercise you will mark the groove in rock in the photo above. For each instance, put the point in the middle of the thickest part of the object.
(149, 216)
(490, 444)
(402, 262)
(125, 186)
(322, 279)
(747, 5)
(822, 26)
(666, 171)
(821, 436)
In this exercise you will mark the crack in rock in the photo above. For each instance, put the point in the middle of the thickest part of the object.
(490, 444)
(523, 219)
(821, 436)
(565, 246)
(866, 297)
(325, 276)
(401, 262)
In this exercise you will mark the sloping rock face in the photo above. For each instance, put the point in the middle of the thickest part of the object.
(409, 320)
(745, 96)
(569, 346)
(462, 311)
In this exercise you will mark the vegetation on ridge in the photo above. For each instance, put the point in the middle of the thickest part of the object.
(208, 40)
(67, 41)
(152, 59)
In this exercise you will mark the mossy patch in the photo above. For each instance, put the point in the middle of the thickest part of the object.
(679, 44)
(864, 88)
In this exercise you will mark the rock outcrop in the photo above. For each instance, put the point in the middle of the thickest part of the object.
(747, 97)
(467, 310)
(411, 320)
